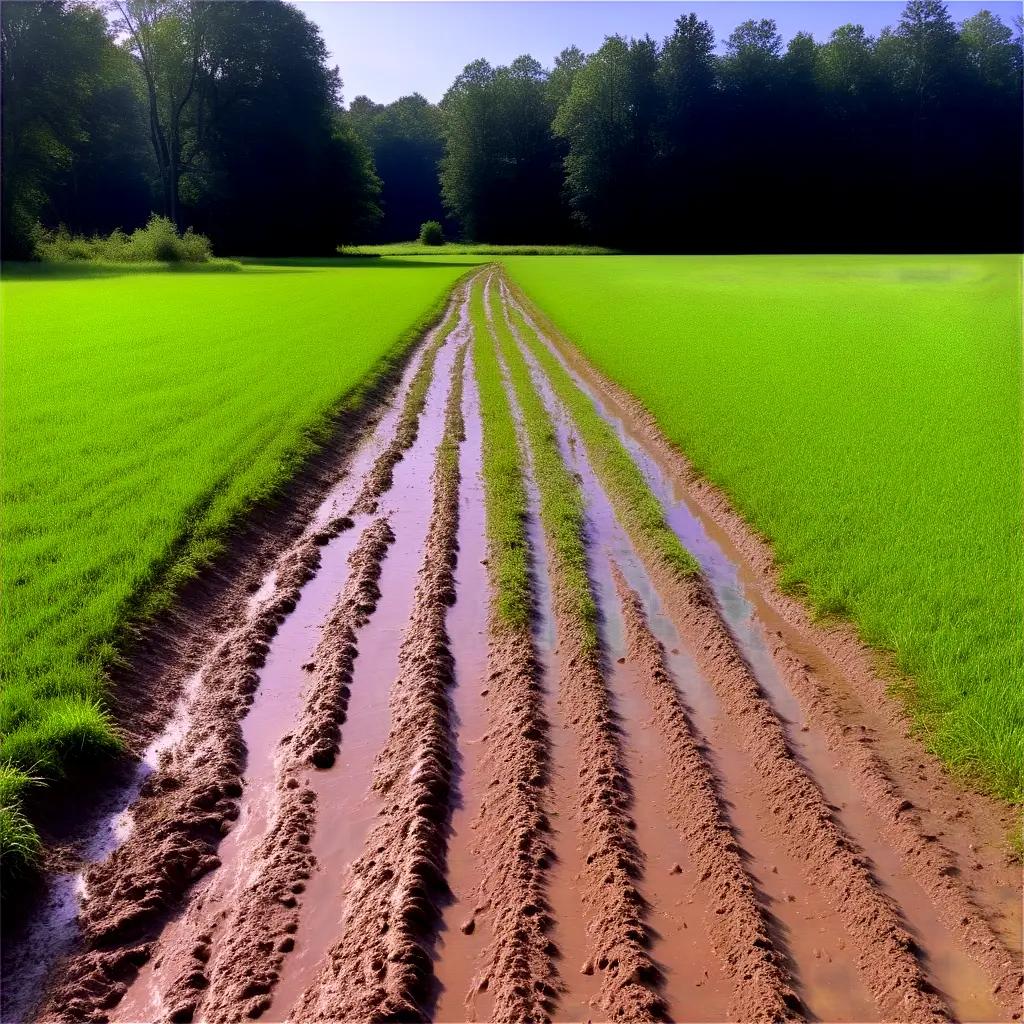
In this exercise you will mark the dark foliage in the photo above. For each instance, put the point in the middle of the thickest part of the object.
(406, 141)
(431, 233)
(908, 141)
(226, 116)
(222, 115)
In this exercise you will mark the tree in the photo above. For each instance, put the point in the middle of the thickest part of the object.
(752, 55)
(279, 167)
(166, 37)
(688, 81)
(230, 113)
(500, 175)
(845, 64)
(990, 52)
(924, 50)
(406, 140)
(609, 120)
(563, 74)
(70, 148)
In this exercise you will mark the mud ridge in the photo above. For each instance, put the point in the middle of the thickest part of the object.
(519, 969)
(799, 815)
(737, 927)
(244, 965)
(619, 937)
(378, 480)
(381, 967)
(319, 734)
(928, 860)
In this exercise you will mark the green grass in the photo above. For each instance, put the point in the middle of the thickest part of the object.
(638, 509)
(864, 414)
(561, 498)
(144, 415)
(471, 249)
(504, 492)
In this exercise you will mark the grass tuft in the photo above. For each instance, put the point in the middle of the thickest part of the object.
(561, 498)
(504, 490)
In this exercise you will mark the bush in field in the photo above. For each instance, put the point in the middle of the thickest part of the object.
(158, 241)
(431, 233)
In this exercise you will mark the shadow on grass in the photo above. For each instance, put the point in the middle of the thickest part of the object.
(344, 262)
(25, 271)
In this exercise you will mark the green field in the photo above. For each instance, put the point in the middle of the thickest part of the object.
(143, 414)
(864, 413)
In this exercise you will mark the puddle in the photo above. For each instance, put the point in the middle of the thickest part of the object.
(348, 807)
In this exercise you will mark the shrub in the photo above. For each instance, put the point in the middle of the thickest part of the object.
(431, 233)
(158, 241)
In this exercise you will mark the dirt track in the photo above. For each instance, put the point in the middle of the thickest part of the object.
(378, 801)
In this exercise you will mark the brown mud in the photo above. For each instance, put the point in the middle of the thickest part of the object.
(380, 968)
(366, 797)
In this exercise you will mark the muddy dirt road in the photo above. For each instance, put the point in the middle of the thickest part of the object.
(376, 799)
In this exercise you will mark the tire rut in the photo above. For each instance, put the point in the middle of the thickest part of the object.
(194, 796)
(735, 923)
(514, 866)
(381, 968)
(819, 956)
(618, 935)
(232, 970)
(801, 818)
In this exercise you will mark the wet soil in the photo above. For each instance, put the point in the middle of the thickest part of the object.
(369, 798)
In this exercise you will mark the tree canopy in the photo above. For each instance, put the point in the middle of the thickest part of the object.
(227, 116)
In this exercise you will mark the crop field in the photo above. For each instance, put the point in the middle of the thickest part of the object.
(501, 724)
(145, 413)
(864, 414)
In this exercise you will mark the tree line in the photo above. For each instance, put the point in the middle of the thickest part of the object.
(226, 116)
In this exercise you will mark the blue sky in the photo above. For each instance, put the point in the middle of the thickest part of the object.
(392, 48)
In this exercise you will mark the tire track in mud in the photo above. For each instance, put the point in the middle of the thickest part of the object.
(380, 968)
(380, 477)
(516, 977)
(924, 859)
(844, 673)
(764, 756)
(817, 958)
(923, 854)
(184, 810)
(240, 970)
(460, 939)
(1006, 977)
(618, 935)
(735, 921)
